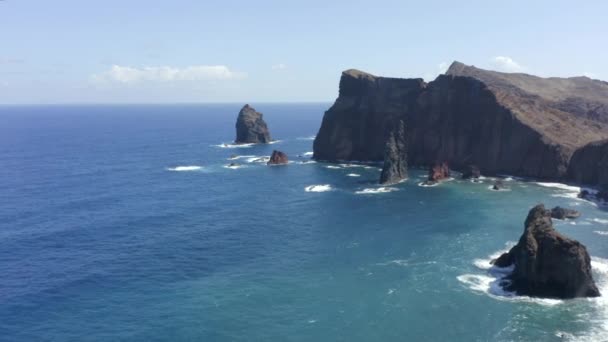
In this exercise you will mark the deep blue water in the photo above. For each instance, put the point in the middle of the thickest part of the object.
(122, 223)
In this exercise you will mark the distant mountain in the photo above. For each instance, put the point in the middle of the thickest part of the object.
(502, 122)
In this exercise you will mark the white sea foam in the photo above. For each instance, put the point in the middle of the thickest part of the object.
(312, 137)
(234, 167)
(233, 145)
(491, 187)
(185, 168)
(318, 188)
(427, 185)
(560, 186)
(240, 157)
(308, 162)
(256, 159)
(601, 232)
(379, 190)
(390, 291)
(332, 167)
(308, 154)
(353, 175)
(602, 221)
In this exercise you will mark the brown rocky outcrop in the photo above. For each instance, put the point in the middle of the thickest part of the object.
(277, 158)
(546, 263)
(504, 123)
(438, 172)
(251, 127)
(394, 168)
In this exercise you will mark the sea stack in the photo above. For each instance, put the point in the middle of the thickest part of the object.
(251, 127)
(546, 263)
(395, 155)
(278, 158)
(438, 172)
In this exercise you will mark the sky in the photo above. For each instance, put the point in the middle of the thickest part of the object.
(187, 51)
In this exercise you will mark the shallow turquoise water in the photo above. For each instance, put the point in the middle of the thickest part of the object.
(102, 238)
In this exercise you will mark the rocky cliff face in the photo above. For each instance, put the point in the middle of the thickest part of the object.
(548, 264)
(394, 169)
(354, 127)
(503, 123)
(251, 127)
(589, 164)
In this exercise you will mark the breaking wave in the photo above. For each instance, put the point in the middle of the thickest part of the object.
(379, 190)
(185, 168)
(318, 188)
(353, 175)
(233, 145)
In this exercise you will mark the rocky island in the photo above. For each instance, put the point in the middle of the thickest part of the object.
(503, 123)
(546, 263)
(251, 127)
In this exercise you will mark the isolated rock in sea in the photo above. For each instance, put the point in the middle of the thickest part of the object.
(546, 263)
(589, 164)
(504, 123)
(278, 158)
(471, 172)
(564, 213)
(251, 127)
(394, 169)
(438, 172)
(498, 185)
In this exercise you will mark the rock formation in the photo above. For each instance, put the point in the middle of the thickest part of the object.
(277, 158)
(589, 164)
(439, 172)
(251, 128)
(394, 169)
(471, 172)
(564, 213)
(546, 263)
(504, 123)
(498, 185)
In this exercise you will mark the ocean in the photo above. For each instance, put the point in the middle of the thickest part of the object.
(126, 223)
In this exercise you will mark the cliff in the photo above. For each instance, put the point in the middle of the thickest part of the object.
(589, 164)
(503, 123)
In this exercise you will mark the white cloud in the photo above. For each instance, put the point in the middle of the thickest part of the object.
(507, 64)
(125, 74)
(279, 66)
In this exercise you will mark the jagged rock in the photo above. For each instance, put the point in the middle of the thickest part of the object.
(498, 185)
(277, 158)
(546, 263)
(564, 213)
(251, 127)
(438, 172)
(504, 123)
(471, 172)
(394, 169)
(589, 164)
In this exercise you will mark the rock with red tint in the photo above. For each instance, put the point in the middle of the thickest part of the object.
(278, 158)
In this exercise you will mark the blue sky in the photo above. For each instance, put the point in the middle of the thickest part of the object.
(111, 51)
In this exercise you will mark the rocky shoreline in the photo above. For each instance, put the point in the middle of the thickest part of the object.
(518, 124)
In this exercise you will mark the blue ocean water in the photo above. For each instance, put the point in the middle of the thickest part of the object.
(124, 223)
